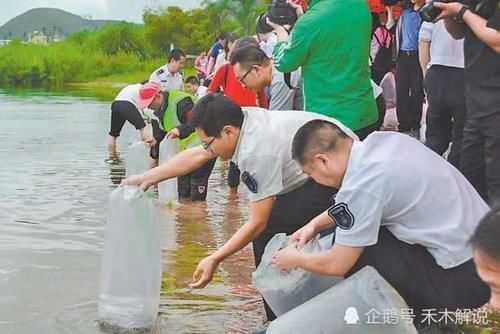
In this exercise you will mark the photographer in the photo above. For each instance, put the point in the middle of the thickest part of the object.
(479, 24)
(331, 42)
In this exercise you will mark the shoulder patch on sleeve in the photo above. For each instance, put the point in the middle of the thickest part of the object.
(341, 215)
(160, 71)
(249, 181)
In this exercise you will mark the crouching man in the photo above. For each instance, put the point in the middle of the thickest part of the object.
(400, 208)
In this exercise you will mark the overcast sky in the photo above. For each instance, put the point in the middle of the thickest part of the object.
(129, 10)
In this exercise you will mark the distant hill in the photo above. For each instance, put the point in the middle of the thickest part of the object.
(50, 21)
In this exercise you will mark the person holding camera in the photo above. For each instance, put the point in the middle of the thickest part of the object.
(330, 41)
(479, 24)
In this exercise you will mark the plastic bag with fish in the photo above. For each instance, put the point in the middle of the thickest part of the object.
(131, 263)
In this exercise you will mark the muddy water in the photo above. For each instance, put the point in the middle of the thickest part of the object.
(53, 195)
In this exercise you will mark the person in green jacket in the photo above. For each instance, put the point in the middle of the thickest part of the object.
(331, 43)
(173, 110)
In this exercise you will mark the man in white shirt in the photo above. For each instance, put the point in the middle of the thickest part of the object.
(400, 208)
(282, 198)
(442, 61)
(193, 87)
(169, 76)
(123, 109)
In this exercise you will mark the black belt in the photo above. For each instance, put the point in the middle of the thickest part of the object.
(409, 53)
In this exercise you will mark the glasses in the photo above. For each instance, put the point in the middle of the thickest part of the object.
(207, 145)
(242, 80)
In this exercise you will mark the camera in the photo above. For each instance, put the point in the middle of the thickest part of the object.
(278, 12)
(428, 12)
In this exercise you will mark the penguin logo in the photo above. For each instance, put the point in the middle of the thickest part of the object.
(351, 316)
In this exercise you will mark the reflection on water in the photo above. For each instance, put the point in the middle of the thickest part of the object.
(54, 187)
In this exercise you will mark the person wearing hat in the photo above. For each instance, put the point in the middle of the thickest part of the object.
(173, 110)
(125, 109)
(400, 208)
(282, 197)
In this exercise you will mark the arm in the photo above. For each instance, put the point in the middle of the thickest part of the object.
(289, 55)
(216, 81)
(424, 44)
(336, 261)
(317, 224)
(259, 215)
(424, 55)
(391, 22)
(476, 23)
(181, 164)
(479, 26)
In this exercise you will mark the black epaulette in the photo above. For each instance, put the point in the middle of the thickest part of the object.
(160, 71)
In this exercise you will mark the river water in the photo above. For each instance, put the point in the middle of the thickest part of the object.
(54, 186)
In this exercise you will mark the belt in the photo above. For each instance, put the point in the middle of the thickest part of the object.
(409, 53)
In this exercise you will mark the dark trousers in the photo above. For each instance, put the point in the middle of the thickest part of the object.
(446, 110)
(422, 283)
(409, 92)
(290, 212)
(195, 184)
(122, 111)
(364, 132)
(480, 158)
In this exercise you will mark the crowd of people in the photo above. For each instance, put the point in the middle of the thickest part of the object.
(297, 110)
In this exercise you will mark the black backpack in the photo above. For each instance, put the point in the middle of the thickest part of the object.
(383, 59)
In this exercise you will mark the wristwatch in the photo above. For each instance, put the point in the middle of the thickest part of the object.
(460, 16)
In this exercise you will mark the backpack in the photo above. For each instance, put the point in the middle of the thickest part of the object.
(383, 59)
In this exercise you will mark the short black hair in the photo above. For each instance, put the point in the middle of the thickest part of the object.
(192, 80)
(222, 36)
(316, 136)
(246, 41)
(486, 238)
(213, 112)
(176, 54)
(249, 55)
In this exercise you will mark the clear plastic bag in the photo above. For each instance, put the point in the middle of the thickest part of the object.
(137, 160)
(167, 190)
(363, 303)
(131, 263)
(388, 85)
(283, 291)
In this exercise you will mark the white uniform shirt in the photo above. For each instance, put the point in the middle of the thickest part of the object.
(129, 93)
(393, 180)
(263, 153)
(444, 49)
(201, 91)
(167, 80)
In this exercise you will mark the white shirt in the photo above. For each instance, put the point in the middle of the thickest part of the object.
(201, 91)
(263, 153)
(393, 180)
(268, 46)
(444, 49)
(167, 80)
(129, 93)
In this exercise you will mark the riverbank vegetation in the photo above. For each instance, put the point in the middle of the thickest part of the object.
(125, 51)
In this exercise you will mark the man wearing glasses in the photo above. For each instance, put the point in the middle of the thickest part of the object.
(256, 71)
(282, 197)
